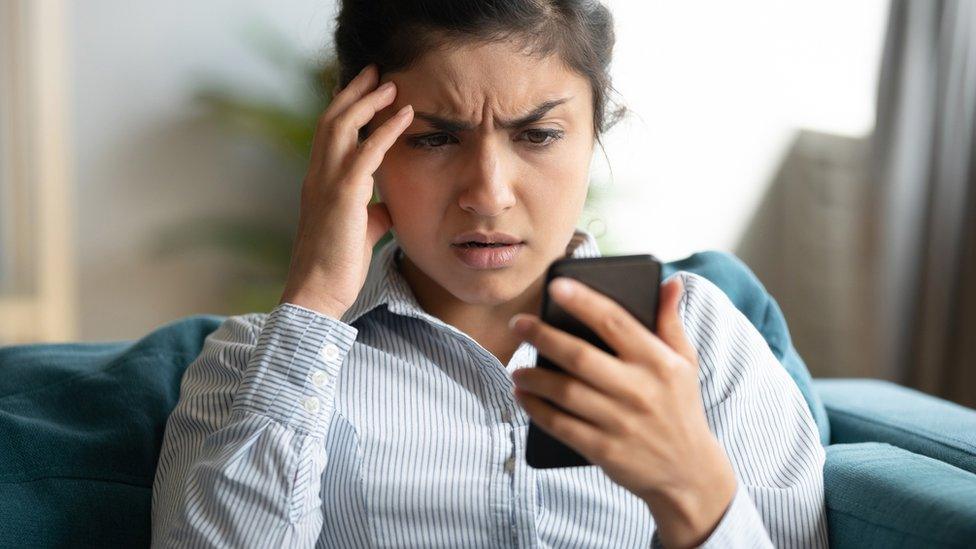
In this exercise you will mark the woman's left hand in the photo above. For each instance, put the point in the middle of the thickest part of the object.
(638, 415)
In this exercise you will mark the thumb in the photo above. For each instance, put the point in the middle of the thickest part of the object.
(669, 326)
(378, 222)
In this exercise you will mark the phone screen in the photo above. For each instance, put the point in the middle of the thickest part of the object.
(633, 281)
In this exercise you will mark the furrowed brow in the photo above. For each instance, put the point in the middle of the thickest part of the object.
(451, 125)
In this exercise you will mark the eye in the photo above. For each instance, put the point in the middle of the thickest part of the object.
(430, 141)
(535, 137)
(542, 137)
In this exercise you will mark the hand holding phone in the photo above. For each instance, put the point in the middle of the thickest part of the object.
(632, 281)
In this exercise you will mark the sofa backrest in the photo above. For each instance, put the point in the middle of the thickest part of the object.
(81, 424)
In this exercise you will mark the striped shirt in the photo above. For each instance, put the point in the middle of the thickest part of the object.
(388, 427)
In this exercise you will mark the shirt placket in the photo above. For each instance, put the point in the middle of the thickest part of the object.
(512, 484)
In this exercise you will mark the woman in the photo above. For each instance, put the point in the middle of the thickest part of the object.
(385, 400)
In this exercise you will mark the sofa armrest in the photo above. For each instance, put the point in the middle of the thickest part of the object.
(879, 495)
(869, 410)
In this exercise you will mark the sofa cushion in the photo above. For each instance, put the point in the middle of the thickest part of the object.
(882, 496)
(81, 425)
(872, 410)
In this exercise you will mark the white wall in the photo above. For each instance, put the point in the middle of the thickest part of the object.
(145, 161)
(718, 89)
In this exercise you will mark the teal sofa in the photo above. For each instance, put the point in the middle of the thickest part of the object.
(81, 426)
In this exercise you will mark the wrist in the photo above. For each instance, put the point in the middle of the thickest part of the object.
(320, 304)
(687, 514)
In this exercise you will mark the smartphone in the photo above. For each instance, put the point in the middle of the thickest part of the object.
(632, 281)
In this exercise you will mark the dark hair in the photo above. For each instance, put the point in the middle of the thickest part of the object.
(395, 33)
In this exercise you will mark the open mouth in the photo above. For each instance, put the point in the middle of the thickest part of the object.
(481, 245)
(485, 255)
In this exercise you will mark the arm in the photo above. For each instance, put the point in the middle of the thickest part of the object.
(763, 424)
(243, 453)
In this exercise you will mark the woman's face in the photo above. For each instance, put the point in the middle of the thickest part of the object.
(487, 170)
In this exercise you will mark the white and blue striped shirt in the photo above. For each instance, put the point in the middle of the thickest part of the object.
(389, 427)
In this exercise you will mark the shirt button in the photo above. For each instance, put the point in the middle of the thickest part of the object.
(319, 378)
(330, 351)
(510, 464)
(312, 405)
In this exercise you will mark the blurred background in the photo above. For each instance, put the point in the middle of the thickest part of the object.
(151, 156)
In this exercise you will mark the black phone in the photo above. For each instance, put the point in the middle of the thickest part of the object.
(632, 281)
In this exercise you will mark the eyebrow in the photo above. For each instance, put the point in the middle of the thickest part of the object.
(450, 125)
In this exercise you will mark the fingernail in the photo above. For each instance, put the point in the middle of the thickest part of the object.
(561, 287)
(402, 113)
(361, 71)
(387, 86)
(519, 323)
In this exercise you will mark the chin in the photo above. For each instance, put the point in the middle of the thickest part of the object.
(479, 290)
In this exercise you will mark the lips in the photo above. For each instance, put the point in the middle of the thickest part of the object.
(483, 237)
(487, 257)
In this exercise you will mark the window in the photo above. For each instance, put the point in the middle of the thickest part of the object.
(36, 262)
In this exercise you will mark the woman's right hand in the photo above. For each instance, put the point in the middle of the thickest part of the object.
(337, 227)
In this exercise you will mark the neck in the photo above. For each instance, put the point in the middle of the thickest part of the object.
(486, 324)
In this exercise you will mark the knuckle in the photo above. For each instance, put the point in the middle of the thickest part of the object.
(611, 322)
(369, 146)
(559, 426)
(643, 406)
(578, 358)
(671, 369)
(604, 450)
(564, 391)
(324, 119)
(628, 427)
(342, 123)
(581, 357)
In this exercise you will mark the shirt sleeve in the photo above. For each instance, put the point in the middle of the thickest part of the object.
(243, 451)
(762, 422)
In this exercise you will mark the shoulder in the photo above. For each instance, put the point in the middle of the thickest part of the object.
(732, 353)
(727, 273)
(703, 302)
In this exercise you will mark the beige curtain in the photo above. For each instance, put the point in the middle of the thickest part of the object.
(923, 176)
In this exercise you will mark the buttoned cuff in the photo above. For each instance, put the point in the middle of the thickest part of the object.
(740, 526)
(292, 373)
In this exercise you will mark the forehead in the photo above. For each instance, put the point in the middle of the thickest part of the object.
(469, 79)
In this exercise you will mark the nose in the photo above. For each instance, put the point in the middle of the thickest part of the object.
(489, 185)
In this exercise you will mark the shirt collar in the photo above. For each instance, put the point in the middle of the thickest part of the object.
(385, 284)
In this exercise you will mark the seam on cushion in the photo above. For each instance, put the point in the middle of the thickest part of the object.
(889, 528)
(112, 366)
(914, 431)
(74, 477)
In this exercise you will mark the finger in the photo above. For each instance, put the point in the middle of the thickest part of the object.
(576, 356)
(344, 129)
(371, 152)
(670, 328)
(630, 339)
(571, 394)
(574, 432)
(360, 85)
(378, 222)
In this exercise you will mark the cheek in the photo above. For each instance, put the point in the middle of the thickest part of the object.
(411, 195)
